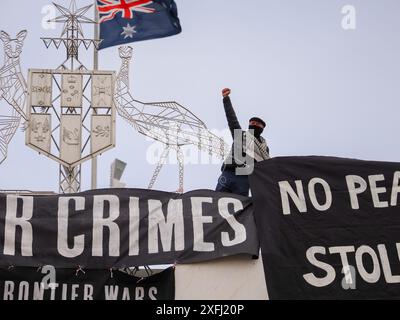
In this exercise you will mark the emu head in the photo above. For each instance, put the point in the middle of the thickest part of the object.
(13, 47)
(125, 52)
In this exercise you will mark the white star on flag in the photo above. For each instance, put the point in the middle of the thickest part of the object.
(129, 31)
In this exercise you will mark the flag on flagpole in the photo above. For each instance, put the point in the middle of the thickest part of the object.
(125, 21)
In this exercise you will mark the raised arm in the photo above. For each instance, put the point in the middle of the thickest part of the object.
(233, 122)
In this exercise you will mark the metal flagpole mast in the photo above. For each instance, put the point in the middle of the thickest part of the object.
(95, 67)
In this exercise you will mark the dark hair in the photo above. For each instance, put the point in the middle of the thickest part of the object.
(258, 120)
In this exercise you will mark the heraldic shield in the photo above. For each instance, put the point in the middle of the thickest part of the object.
(71, 114)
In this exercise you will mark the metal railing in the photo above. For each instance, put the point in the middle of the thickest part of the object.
(28, 192)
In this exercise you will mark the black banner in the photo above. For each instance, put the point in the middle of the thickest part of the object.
(329, 227)
(124, 227)
(48, 283)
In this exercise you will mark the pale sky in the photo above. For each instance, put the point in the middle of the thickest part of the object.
(322, 90)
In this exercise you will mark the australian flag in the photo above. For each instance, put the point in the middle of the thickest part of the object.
(124, 21)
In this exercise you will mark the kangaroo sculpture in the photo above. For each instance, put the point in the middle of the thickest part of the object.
(13, 90)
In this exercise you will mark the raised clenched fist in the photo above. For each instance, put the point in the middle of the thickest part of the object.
(226, 92)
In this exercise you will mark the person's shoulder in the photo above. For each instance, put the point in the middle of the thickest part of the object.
(263, 140)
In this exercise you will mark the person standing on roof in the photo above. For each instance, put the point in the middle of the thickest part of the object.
(248, 147)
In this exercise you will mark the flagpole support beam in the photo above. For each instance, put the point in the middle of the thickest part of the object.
(95, 67)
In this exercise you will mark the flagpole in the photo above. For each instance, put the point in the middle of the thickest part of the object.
(95, 67)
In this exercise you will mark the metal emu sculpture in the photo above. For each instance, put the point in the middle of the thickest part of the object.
(12, 90)
(167, 122)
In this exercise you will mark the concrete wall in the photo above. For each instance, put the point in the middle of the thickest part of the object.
(231, 278)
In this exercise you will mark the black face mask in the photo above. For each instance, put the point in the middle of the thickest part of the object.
(257, 130)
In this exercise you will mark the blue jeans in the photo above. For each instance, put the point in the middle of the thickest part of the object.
(231, 183)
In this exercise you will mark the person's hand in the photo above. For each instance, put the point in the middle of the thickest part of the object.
(226, 92)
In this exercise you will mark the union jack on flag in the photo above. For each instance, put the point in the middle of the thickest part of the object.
(110, 8)
(123, 21)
